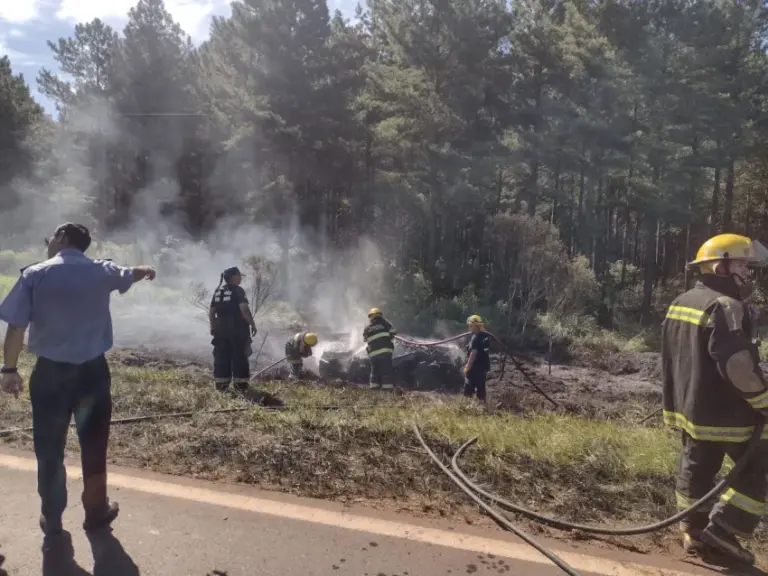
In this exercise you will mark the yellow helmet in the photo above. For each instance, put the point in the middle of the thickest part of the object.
(310, 339)
(374, 312)
(474, 319)
(729, 247)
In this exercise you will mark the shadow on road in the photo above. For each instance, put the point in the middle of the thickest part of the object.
(109, 556)
(725, 569)
(59, 557)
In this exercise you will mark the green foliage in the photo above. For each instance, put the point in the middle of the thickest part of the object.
(513, 159)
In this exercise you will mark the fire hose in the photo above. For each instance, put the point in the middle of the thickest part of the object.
(474, 491)
(260, 372)
(508, 353)
(166, 415)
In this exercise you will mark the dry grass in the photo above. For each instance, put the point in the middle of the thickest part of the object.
(364, 449)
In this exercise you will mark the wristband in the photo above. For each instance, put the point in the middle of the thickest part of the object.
(8, 370)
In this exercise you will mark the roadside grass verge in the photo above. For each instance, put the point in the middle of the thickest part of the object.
(352, 444)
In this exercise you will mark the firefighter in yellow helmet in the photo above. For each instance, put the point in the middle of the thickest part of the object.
(714, 392)
(379, 337)
(478, 358)
(297, 348)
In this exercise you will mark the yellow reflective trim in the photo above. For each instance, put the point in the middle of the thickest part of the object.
(683, 501)
(381, 351)
(686, 314)
(743, 502)
(378, 336)
(760, 401)
(709, 433)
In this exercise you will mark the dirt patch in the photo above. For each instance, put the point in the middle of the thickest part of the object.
(155, 360)
(579, 389)
(360, 450)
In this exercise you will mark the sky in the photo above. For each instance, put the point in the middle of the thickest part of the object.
(26, 26)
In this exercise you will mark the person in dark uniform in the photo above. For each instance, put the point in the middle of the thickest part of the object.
(297, 348)
(714, 392)
(379, 339)
(478, 359)
(230, 319)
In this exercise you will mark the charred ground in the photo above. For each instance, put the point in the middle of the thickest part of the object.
(589, 460)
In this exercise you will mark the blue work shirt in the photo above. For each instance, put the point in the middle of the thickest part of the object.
(65, 302)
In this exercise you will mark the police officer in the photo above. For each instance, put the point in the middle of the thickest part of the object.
(714, 392)
(297, 348)
(379, 339)
(65, 302)
(230, 319)
(478, 358)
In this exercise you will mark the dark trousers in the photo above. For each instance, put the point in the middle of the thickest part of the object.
(230, 362)
(57, 391)
(741, 506)
(296, 366)
(474, 382)
(382, 373)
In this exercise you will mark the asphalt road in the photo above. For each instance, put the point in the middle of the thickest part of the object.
(178, 527)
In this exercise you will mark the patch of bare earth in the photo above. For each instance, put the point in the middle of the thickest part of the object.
(588, 461)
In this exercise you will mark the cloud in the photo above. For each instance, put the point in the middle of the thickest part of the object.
(26, 25)
(19, 11)
(77, 11)
(18, 59)
(192, 15)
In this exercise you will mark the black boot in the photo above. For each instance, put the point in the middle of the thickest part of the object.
(726, 543)
(102, 518)
(50, 527)
(99, 511)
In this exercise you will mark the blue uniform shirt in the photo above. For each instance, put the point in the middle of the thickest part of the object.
(65, 301)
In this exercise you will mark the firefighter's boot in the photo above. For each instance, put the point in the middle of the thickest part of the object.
(99, 511)
(692, 542)
(726, 543)
(50, 527)
(241, 385)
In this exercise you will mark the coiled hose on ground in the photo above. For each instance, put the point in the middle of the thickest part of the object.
(474, 491)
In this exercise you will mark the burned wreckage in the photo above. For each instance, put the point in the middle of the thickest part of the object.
(438, 368)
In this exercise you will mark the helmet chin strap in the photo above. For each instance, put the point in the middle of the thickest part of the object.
(737, 279)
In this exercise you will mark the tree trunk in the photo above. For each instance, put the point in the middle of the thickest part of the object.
(728, 204)
(649, 272)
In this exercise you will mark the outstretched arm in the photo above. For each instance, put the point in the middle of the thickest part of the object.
(141, 272)
(121, 278)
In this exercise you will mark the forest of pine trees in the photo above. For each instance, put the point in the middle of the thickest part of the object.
(497, 152)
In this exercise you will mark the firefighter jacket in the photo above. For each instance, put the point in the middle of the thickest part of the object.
(713, 387)
(293, 348)
(379, 337)
(229, 322)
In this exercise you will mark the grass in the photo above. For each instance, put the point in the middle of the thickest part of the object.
(6, 283)
(599, 471)
(364, 449)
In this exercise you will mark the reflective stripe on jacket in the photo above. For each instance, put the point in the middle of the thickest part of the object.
(379, 337)
(293, 349)
(712, 383)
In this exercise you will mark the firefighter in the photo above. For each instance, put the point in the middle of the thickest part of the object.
(478, 358)
(379, 336)
(230, 319)
(297, 348)
(714, 393)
